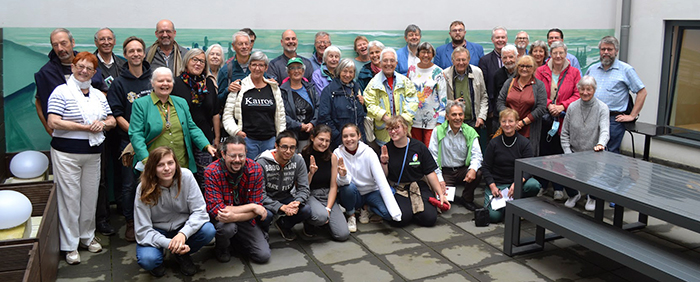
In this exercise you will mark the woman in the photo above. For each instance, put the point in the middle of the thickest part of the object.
(560, 80)
(432, 93)
(300, 102)
(325, 74)
(200, 94)
(78, 115)
(538, 50)
(341, 102)
(361, 180)
(323, 171)
(499, 163)
(407, 163)
(526, 95)
(256, 112)
(164, 120)
(369, 70)
(586, 126)
(362, 50)
(170, 213)
(215, 60)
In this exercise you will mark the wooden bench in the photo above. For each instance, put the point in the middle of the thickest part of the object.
(619, 245)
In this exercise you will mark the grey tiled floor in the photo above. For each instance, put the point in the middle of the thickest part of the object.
(454, 250)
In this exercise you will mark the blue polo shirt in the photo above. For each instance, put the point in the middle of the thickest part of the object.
(615, 83)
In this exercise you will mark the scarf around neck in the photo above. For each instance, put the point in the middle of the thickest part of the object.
(198, 86)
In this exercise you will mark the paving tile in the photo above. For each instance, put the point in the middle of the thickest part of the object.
(560, 265)
(331, 252)
(211, 270)
(505, 271)
(455, 276)
(471, 253)
(632, 275)
(593, 257)
(306, 275)
(365, 269)
(603, 277)
(492, 229)
(388, 241)
(284, 255)
(442, 232)
(673, 233)
(418, 263)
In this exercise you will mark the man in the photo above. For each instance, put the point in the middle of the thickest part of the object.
(321, 42)
(133, 83)
(286, 184)
(165, 52)
(251, 34)
(408, 56)
(278, 66)
(522, 40)
(443, 54)
(231, 74)
(109, 63)
(455, 148)
(489, 64)
(556, 34)
(616, 79)
(233, 190)
(57, 71)
(509, 55)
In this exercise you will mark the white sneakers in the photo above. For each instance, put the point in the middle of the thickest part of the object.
(558, 195)
(352, 224)
(364, 216)
(94, 246)
(571, 202)
(590, 204)
(73, 257)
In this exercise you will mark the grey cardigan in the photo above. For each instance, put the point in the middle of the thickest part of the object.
(538, 110)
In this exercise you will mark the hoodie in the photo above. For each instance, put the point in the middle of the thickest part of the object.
(281, 182)
(125, 89)
(366, 172)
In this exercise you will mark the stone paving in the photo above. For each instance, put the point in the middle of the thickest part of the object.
(453, 250)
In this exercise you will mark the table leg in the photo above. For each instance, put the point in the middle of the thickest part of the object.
(647, 145)
(618, 215)
(599, 207)
(510, 232)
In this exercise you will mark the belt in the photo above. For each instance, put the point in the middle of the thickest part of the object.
(613, 113)
(453, 168)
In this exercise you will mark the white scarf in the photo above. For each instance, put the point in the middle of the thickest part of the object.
(90, 107)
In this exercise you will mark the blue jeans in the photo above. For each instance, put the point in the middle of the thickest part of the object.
(255, 147)
(151, 257)
(128, 187)
(617, 132)
(350, 198)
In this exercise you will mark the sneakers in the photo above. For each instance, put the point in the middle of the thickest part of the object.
(571, 202)
(286, 233)
(93, 247)
(159, 271)
(558, 195)
(187, 267)
(130, 235)
(222, 254)
(309, 230)
(352, 224)
(73, 257)
(590, 204)
(364, 216)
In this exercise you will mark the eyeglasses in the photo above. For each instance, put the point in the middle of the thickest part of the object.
(83, 67)
(559, 54)
(295, 68)
(457, 30)
(258, 66)
(287, 148)
(525, 66)
(236, 156)
(392, 129)
(521, 38)
(607, 49)
(198, 60)
(323, 42)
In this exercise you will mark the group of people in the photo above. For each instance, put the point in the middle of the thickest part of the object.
(215, 148)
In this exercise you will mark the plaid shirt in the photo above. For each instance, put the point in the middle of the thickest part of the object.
(218, 187)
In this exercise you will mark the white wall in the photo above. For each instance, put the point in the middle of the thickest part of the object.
(310, 14)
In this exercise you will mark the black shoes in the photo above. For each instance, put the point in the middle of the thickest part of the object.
(159, 271)
(286, 233)
(105, 228)
(187, 267)
(469, 205)
(309, 230)
(222, 254)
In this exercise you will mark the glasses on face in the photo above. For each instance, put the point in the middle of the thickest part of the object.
(323, 42)
(457, 30)
(610, 50)
(525, 67)
(393, 129)
(257, 66)
(84, 67)
(558, 54)
(295, 68)
(288, 148)
(521, 38)
(236, 156)
(198, 61)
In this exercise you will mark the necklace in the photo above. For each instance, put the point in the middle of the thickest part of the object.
(166, 115)
(504, 141)
(585, 116)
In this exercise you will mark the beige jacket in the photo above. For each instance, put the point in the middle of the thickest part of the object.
(481, 101)
(232, 119)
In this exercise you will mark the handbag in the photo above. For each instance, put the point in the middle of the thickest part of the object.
(369, 129)
(128, 153)
(481, 216)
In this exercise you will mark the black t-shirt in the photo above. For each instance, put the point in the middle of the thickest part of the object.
(322, 177)
(419, 162)
(201, 113)
(304, 111)
(499, 160)
(258, 109)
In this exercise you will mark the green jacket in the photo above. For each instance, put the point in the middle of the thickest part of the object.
(146, 124)
(469, 135)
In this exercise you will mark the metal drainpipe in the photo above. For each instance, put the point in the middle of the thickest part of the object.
(625, 30)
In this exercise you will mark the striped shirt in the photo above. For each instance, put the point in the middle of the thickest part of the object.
(62, 103)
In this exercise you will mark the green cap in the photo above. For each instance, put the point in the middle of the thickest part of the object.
(294, 60)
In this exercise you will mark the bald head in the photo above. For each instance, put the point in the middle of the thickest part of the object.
(165, 32)
(289, 42)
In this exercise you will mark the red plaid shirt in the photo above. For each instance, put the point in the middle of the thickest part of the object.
(218, 189)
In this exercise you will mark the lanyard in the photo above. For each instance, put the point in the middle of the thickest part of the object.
(404, 161)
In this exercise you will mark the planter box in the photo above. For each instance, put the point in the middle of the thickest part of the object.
(33, 259)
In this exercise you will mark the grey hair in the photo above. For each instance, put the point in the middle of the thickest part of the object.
(610, 40)
(459, 50)
(105, 28)
(216, 45)
(303, 66)
(59, 30)
(510, 48)
(411, 28)
(522, 31)
(493, 31)
(344, 63)
(387, 50)
(188, 56)
(161, 70)
(375, 43)
(240, 33)
(558, 44)
(329, 49)
(587, 81)
(425, 45)
(259, 56)
(452, 103)
(322, 33)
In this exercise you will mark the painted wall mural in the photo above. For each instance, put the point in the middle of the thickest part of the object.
(26, 49)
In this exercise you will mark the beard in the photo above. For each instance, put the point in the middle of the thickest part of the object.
(521, 45)
(413, 46)
(607, 60)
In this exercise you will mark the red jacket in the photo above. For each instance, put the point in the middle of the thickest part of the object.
(568, 92)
